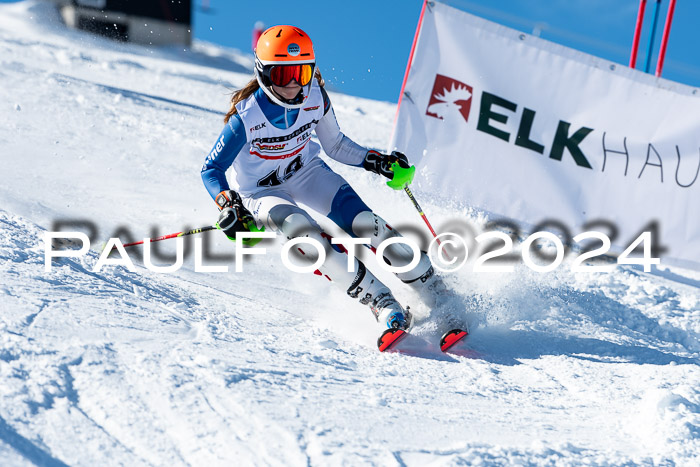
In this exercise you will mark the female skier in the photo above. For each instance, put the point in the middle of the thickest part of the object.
(267, 139)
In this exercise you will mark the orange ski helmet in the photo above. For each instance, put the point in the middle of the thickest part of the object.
(285, 53)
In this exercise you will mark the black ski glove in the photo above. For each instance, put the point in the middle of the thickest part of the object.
(381, 163)
(234, 217)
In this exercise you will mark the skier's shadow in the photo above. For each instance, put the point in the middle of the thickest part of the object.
(418, 346)
(507, 347)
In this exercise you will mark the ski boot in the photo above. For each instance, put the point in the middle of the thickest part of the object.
(431, 289)
(372, 292)
(397, 320)
(389, 311)
(446, 308)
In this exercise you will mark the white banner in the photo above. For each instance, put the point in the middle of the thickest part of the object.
(529, 130)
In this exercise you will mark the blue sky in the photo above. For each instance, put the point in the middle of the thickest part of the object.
(362, 46)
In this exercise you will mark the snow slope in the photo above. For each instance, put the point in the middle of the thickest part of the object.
(270, 367)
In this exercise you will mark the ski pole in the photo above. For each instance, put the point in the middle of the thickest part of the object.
(402, 177)
(173, 235)
(250, 225)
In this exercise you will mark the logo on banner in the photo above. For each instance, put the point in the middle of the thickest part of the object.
(449, 99)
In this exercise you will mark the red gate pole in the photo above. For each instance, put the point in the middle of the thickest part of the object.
(410, 58)
(664, 41)
(637, 32)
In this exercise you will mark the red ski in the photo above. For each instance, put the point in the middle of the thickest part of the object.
(389, 338)
(450, 338)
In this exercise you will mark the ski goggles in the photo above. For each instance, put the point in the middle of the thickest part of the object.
(282, 75)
